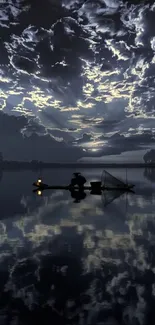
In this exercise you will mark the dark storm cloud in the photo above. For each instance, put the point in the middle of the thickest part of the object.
(90, 63)
(120, 143)
(85, 138)
(14, 145)
(22, 63)
(108, 126)
(33, 126)
(131, 142)
(116, 143)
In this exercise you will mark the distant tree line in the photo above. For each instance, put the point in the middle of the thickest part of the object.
(149, 157)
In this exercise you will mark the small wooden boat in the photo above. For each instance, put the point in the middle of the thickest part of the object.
(110, 183)
(109, 188)
(84, 188)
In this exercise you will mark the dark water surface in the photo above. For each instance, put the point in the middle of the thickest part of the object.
(67, 263)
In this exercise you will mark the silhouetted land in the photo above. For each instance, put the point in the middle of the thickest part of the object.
(15, 165)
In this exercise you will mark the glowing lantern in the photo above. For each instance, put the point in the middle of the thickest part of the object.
(39, 182)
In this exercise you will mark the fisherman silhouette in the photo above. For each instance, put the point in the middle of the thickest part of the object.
(78, 195)
(78, 180)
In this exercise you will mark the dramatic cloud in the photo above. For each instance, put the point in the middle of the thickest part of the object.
(23, 140)
(79, 67)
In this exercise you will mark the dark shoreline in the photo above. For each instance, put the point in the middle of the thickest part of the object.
(80, 165)
(37, 166)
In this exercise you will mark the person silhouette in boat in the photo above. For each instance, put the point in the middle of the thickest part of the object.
(78, 180)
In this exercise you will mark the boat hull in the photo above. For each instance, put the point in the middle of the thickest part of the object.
(43, 186)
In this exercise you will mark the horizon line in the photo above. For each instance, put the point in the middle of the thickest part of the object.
(40, 164)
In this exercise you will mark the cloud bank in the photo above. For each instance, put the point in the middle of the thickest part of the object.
(81, 67)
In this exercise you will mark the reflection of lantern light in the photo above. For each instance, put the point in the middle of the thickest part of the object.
(39, 192)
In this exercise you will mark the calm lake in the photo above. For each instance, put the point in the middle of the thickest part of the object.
(71, 263)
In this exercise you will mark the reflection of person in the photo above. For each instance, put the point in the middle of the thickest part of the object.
(78, 180)
(78, 195)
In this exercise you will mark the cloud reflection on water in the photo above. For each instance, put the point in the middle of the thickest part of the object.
(78, 264)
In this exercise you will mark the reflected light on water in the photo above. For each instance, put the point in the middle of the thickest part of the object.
(39, 192)
(83, 261)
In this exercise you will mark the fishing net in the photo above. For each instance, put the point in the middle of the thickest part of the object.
(110, 181)
(109, 196)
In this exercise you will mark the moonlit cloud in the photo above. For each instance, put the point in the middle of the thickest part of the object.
(92, 59)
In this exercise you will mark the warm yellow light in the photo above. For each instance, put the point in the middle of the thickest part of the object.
(39, 193)
(39, 182)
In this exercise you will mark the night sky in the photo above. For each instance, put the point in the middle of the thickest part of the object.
(78, 78)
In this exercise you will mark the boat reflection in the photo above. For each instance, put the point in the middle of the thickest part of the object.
(109, 188)
(77, 195)
(107, 197)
